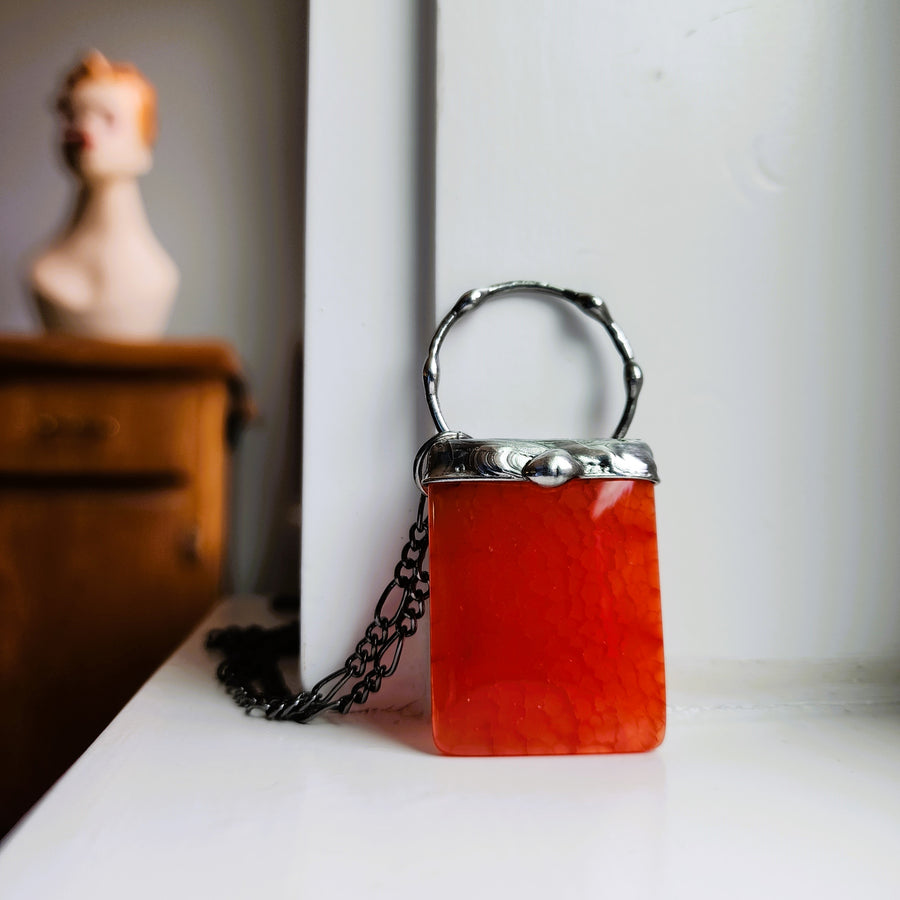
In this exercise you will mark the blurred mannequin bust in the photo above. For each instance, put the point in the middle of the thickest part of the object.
(106, 275)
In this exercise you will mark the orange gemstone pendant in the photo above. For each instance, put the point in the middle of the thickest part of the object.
(546, 630)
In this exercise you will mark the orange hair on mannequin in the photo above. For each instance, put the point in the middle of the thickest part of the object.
(96, 67)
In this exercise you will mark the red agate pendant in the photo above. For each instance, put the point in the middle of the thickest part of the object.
(546, 628)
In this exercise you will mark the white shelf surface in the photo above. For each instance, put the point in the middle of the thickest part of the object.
(182, 796)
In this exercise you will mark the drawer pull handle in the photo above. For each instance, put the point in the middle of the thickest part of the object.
(96, 428)
(101, 427)
(47, 426)
(191, 544)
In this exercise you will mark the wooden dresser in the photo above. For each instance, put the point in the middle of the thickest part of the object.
(113, 496)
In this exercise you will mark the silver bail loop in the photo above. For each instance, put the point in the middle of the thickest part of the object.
(587, 303)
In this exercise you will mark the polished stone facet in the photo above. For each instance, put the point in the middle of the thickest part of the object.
(546, 631)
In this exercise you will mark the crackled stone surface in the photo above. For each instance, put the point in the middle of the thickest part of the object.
(546, 632)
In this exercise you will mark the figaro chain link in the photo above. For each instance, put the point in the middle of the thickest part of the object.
(250, 670)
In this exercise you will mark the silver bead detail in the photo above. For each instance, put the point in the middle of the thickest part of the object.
(551, 469)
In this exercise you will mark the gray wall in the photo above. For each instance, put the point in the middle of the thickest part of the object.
(225, 198)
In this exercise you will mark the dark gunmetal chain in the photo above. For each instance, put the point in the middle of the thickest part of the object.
(250, 670)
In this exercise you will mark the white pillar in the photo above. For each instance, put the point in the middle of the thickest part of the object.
(367, 321)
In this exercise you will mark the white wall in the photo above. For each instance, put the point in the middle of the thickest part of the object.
(727, 179)
(225, 198)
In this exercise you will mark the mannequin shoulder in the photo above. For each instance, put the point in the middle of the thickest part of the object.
(62, 277)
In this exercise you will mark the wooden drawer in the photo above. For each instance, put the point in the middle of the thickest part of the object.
(96, 589)
(113, 478)
(91, 426)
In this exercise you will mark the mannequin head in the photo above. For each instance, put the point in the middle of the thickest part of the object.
(109, 116)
